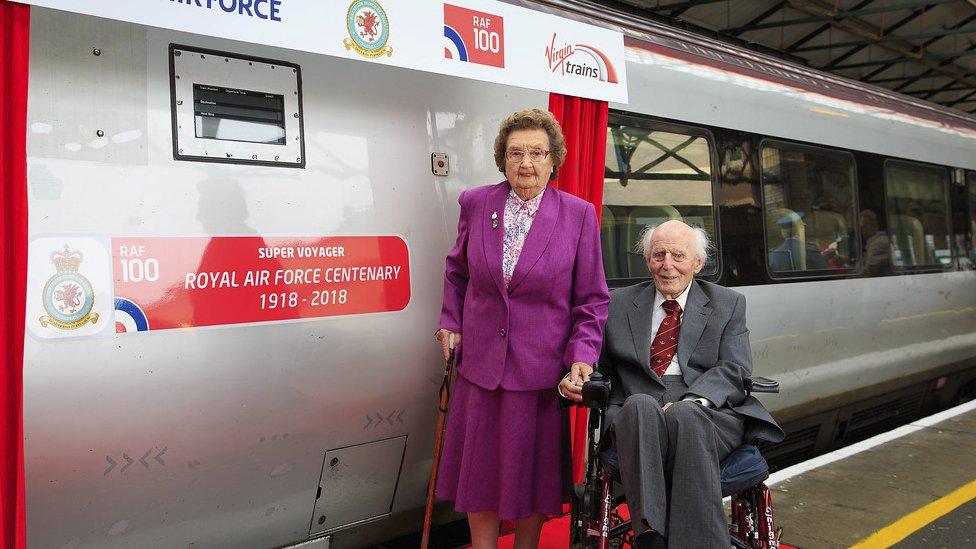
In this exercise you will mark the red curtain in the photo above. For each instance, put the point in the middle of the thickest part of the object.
(14, 43)
(584, 123)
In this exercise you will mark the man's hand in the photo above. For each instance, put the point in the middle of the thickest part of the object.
(571, 385)
(444, 337)
(666, 406)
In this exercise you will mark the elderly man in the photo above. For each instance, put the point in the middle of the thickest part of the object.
(677, 351)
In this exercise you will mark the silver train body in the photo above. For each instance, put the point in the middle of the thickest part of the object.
(272, 434)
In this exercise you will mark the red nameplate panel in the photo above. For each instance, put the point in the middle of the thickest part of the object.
(181, 282)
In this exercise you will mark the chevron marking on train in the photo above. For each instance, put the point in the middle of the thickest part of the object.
(111, 465)
(128, 461)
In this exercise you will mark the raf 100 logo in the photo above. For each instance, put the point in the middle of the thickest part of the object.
(474, 36)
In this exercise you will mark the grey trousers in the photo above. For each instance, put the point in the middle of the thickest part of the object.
(669, 465)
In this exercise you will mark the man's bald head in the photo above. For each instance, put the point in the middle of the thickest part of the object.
(700, 237)
(674, 252)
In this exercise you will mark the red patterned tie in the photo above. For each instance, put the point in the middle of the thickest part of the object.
(666, 341)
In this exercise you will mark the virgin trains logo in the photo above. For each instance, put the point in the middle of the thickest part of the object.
(474, 36)
(580, 60)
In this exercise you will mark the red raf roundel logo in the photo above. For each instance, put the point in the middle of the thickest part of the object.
(474, 36)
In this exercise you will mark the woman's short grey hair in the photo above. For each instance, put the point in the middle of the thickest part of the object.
(532, 119)
(701, 245)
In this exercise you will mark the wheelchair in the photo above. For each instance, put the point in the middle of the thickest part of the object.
(598, 520)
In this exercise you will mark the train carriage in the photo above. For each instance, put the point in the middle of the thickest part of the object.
(178, 416)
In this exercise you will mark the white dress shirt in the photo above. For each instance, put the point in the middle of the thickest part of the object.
(656, 319)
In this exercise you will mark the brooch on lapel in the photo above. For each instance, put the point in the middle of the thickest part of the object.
(494, 220)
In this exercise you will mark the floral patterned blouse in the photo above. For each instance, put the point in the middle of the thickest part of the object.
(518, 220)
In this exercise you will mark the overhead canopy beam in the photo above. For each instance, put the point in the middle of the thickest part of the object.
(821, 29)
(968, 51)
(670, 10)
(762, 17)
(939, 63)
(832, 13)
(963, 99)
(941, 33)
(908, 58)
(902, 47)
(927, 43)
(934, 91)
(853, 51)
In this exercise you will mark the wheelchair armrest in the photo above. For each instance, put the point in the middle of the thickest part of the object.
(761, 385)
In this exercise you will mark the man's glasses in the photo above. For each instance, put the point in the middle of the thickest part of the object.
(518, 155)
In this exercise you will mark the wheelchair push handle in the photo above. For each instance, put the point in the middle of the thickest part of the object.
(761, 385)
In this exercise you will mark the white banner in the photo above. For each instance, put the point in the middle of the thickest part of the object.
(478, 39)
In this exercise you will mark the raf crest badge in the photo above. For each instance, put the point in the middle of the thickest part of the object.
(369, 29)
(68, 296)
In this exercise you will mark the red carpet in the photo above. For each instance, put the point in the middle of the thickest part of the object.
(555, 535)
(555, 532)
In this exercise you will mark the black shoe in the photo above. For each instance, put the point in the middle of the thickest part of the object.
(650, 540)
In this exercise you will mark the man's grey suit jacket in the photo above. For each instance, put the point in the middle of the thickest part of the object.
(713, 352)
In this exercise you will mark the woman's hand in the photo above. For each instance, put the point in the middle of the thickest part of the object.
(444, 337)
(571, 385)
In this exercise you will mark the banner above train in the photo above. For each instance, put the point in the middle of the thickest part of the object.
(478, 39)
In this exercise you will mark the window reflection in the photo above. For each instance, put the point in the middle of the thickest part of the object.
(652, 176)
(918, 218)
(810, 213)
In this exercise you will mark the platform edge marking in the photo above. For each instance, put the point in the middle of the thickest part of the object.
(848, 451)
(918, 519)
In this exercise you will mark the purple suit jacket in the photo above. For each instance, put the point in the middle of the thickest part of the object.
(524, 338)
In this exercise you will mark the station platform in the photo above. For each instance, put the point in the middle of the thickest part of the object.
(914, 486)
(911, 487)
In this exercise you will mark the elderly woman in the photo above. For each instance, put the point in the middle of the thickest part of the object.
(524, 284)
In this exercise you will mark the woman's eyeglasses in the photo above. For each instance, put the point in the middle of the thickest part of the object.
(518, 155)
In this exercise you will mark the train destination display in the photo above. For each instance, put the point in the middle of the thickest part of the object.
(179, 282)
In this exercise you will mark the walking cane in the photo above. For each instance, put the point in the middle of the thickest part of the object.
(445, 398)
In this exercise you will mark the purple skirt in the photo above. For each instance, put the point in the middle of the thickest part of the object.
(502, 452)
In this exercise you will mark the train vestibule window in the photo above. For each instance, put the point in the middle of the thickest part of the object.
(810, 210)
(918, 215)
(235, 109)
(971, 194)
(654, 172)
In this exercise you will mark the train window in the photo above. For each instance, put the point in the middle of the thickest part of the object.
(235, 109)
(918, 216)
(810, 210)
(654, 172)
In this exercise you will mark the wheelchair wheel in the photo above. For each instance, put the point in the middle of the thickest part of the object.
(579, 518)
(584, 520)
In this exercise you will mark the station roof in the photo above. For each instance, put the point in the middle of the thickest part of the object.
(922, 48)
